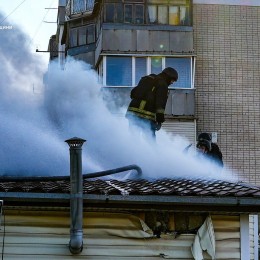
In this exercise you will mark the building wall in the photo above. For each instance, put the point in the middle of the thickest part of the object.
(227, 44)
(44, 234)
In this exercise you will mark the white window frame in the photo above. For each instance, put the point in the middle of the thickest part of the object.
(148, 68)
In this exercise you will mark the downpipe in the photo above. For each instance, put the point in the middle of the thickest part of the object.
(76, 198)
(76, 192)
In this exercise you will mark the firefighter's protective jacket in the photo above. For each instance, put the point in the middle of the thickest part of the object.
(149, 98)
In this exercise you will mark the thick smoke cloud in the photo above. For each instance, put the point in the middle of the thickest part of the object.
(29, 146)
(34, 126)
(74, 102)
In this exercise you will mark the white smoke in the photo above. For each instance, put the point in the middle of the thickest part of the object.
(29, 144)
(34, 126)
(75, 103)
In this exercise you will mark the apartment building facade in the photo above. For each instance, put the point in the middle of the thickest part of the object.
(214, 45)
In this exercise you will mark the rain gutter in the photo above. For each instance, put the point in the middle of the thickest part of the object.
(149, 202)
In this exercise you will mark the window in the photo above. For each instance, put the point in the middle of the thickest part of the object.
(169, 12)
(174, 15)
(139, 14)
(140, 68)
(119, 13)
(119, 71)
(109, 13)
(152, 14)
(90, 4)
(183, 66)
(128, 13)
(79, 6)
(90, 34)
(162, 14)
(73, 37)
(156, 65)
(82, 35)
(184, 15)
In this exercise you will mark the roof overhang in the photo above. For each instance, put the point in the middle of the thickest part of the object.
(139, 202)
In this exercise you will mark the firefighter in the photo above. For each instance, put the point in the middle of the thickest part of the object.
(146, 109)
(209, 149)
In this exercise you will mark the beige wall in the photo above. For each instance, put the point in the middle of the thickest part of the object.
(227, 81)
(35, 234)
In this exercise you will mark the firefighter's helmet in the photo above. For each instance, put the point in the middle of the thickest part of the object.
(204, 136)
(171, 73)
(204, 139)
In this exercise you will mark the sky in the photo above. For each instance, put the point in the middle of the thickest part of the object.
(31, 16)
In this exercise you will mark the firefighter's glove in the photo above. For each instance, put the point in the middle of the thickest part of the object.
(159, 117)
(157, 126)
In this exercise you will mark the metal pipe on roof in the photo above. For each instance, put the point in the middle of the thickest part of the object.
(113, 171)
(64, 178)
(76, 192)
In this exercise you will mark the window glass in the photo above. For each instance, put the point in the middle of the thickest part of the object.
(158, 1)
(156, 65)
(174, 15)
(183, 66)
(119, 71)
(73, 37)
(152, 14)
(128, 13)
(78, 6)
(82, 35)
(171, 2)
(139, 14)
(140, 68)
(90, 4)
(136, 1)
(109, 13)
(162, 14)
(119, 13)
(184, 15)
(91, 34)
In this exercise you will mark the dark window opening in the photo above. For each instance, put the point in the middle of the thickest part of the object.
(128, 13)
(82, 35)
(139, 14)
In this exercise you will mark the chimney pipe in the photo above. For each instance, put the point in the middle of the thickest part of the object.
(76, 195)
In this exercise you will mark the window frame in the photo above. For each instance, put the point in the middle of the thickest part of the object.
(120, 17)
(77, 30)
(181, 22)
(87, 6)
(148, 68)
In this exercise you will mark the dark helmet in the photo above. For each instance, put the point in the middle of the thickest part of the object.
(204, 139)
(204, 136)
(171, 73)
(205, 143)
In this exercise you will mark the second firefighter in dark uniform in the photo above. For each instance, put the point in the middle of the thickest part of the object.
(149, 97)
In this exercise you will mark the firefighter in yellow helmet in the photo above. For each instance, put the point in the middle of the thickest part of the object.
(146, 109)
